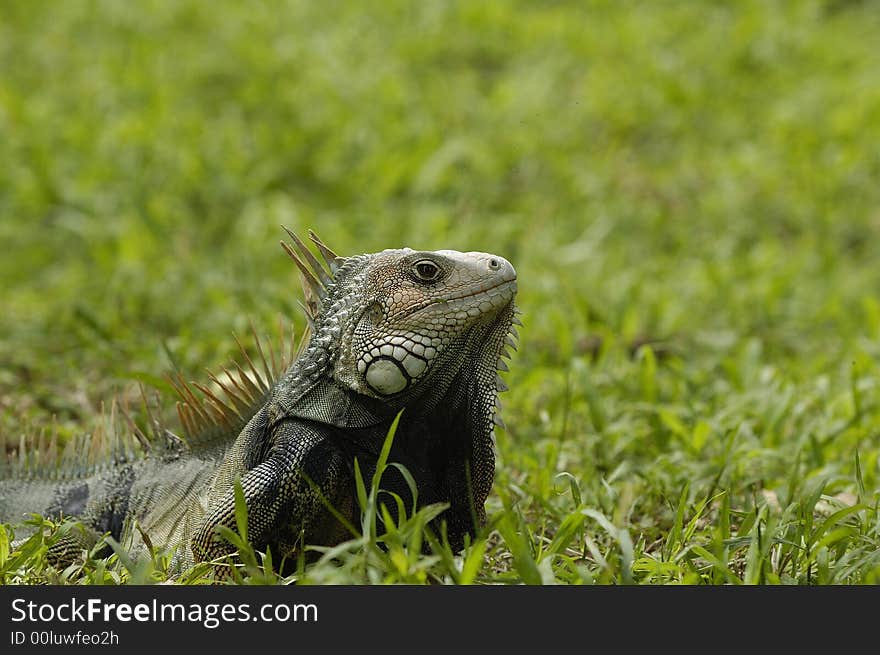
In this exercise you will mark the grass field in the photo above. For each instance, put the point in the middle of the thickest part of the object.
(690, 193)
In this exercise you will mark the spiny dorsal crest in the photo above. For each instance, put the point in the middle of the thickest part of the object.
(114, 440)
(207, 414)
(315, 278)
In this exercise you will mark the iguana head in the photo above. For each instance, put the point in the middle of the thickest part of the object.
(415, 305)
(397, 324)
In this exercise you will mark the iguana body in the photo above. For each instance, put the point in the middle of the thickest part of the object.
(422, 332)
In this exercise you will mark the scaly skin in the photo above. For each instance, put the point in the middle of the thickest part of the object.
(421, 332)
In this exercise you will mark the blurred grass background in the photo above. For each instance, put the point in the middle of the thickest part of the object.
(689, 192)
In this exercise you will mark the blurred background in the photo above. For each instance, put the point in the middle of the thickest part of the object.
(698, 177)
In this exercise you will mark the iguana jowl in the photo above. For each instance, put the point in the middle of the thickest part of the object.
(422, 332)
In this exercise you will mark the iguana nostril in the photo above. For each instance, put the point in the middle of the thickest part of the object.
(499, 267)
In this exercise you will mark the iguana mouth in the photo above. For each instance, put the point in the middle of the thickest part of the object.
(506, 284)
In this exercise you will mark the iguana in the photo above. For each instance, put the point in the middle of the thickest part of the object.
(416, 333)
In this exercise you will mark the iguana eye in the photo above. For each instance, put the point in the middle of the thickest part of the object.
(426, 271)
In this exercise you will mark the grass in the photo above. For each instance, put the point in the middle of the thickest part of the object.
(688, 191)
